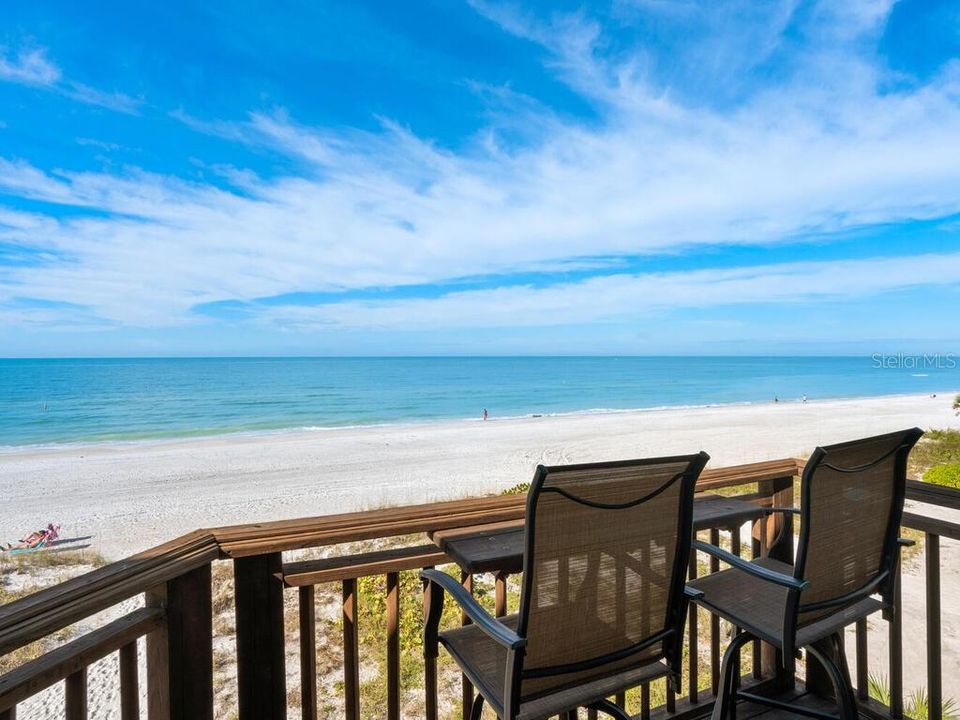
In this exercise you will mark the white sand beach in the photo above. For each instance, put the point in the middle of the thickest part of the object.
(131, 496)
(128, 497)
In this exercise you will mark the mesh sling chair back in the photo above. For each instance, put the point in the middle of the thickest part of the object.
(851, 506)
(603, 599)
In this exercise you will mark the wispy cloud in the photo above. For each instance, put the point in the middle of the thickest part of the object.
(825, 148)
(32, 67)
(627, 297)
(29, 67)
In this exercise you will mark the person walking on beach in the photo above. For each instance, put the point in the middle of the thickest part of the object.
(484, 413)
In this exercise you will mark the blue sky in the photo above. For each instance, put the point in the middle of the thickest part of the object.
(632, 176)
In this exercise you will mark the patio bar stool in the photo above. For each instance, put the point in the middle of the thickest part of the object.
(603, 600)
(852, 498)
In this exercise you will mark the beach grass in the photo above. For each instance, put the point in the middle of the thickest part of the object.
(936, 448)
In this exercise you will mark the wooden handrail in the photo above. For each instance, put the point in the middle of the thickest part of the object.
(58, 664)
(281, 535)
(47, 611)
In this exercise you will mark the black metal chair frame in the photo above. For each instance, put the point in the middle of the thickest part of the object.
(829, 647)
(437, 582)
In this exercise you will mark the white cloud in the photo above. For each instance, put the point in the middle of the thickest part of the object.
(29, 67)
(32, 67)
(824, 150)
(627, 297)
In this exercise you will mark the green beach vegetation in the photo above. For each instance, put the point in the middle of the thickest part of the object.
(936, 458)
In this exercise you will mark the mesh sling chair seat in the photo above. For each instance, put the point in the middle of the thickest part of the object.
(851, 505)
(603, 600)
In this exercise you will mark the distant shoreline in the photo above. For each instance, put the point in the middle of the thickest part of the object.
(214, 434)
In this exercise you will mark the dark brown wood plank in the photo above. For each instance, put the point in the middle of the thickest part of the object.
(190, 645)
(500, 595)
(347, 567)
(129, 682)
(932, 525)
(933, 494)
(351, 652)
(66, 660)
(308, 652)
(8, 714)
(261, 673)
(75, 695)
(934, 671)
(158, 660)
(393, 646)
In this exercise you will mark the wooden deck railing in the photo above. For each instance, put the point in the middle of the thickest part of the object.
(176, 621)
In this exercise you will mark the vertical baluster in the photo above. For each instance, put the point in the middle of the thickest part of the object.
(129, 683)
(500, 595)
(466, 579)
(714, 623)
(757, 654)
(735, 549)
(896, 652)
(351, 656)
(591, 714)
(75, 695)
(934, 673)
(645, 701)
(863, 689)
(393, 646)
(308, 653)
(693, 654)
(429, 659)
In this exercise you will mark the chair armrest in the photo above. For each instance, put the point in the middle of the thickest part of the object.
(753, 569)
(906, 542)
(787, 510)
(496, 630)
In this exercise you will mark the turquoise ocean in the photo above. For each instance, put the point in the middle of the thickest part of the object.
(61, 401)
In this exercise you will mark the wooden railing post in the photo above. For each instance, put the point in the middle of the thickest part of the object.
(180, 656)
(158, 662)
(261, 675)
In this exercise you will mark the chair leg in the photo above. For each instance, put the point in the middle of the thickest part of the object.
(614, 711)
(725, 706)
(476, 710)
(841, 684)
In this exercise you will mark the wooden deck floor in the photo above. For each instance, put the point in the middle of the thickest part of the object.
(754, 711)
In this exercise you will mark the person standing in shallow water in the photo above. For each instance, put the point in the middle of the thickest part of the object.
(484, 413)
